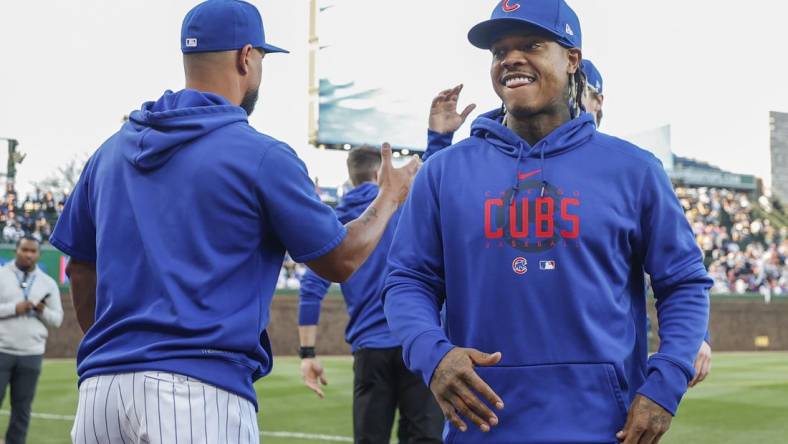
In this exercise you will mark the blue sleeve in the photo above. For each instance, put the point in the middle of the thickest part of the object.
(307, 227)
(707, 338)
(436, 142)
(414, 289)
(313, 290)
(75, 231)
(681, 286)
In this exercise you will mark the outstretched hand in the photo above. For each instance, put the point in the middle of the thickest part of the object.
(313, 375)
(444, 117)
(456, 387)
(396, 181)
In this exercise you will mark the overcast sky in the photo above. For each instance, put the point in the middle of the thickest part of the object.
(713, 69)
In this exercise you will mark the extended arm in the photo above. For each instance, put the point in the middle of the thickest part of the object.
(413, 294)
(313, 290)
(364, 233)
(681, 285)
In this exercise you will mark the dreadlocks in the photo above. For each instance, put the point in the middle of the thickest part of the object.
(577, 87)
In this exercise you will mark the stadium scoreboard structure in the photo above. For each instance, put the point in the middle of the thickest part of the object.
(778, 141)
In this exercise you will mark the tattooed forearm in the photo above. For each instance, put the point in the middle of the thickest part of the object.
(369, 216)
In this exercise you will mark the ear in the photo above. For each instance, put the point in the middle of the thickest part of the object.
(574, 56)
(244, 59)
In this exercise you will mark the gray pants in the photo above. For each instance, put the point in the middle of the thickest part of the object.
(22, 372)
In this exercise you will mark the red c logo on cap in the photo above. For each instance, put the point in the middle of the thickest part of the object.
(510, 8)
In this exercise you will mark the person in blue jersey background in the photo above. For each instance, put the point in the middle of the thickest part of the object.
(177, 230)
(381, 382)
(536, 233)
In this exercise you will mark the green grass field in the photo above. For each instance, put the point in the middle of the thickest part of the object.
(745, 400)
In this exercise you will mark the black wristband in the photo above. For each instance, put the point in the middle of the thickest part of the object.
(306, 352)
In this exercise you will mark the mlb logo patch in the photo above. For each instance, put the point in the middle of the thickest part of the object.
(547, 265)
(191, 43)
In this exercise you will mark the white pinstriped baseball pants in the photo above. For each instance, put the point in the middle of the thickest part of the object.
(160, 408)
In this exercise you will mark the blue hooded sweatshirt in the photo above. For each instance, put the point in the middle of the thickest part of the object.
(437, 141)
(187, 212)
(367, 327)
(539, 253)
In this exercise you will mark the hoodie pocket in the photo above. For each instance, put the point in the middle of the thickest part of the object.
(556, 403)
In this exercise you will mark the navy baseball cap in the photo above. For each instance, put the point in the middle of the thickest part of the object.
(593, 77)
(553, 16)
(223, 25)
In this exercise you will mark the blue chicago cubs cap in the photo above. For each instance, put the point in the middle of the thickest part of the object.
(593, 77)
(553, 16)
(223, 25)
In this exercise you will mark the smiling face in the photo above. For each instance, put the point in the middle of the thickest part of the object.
(530, 73)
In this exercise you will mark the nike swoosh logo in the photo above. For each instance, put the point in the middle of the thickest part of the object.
(510, 8)
(523, 176)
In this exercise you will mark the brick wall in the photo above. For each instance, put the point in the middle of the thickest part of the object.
(734, 326)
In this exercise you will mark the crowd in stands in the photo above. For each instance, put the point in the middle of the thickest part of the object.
(34, 216)
(743, 250)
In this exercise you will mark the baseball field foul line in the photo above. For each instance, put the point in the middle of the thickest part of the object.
(293, 435)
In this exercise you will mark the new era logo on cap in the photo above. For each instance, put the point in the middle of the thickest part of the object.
(569, 30)
(191, 43)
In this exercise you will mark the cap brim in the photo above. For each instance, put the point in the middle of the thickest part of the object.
(486, 33)
(271, 48)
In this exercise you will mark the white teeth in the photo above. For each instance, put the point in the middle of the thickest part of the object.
(525, 80)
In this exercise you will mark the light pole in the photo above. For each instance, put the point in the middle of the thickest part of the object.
(14, 158)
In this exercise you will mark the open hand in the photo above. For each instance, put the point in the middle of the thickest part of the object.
(396, 181)
(455, 385)
(702, 364)
(647, 421)
(313, 375)
(444, 117)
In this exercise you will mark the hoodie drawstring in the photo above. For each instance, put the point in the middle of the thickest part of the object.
(541, 170)
(516, 186)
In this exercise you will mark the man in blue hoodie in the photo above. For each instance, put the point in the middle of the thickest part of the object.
(445, 120)
(381, 383)
(177, 231)
(536, 233)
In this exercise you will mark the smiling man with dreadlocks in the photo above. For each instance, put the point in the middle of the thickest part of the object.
(536, 233)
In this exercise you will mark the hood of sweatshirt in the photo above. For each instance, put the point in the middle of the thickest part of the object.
(567, 137)
(356, 201)
(160, 129)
